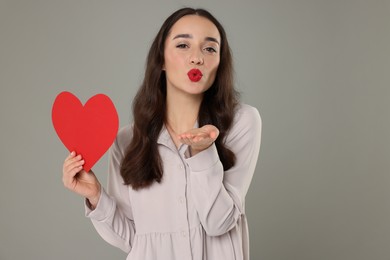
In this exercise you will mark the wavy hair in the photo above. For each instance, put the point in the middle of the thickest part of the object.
(142, 164)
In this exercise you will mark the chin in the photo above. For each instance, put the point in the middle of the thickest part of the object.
(197, 88)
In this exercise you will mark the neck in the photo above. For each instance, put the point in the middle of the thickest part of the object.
(182, 111)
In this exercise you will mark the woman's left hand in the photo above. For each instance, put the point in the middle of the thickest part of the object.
(200, 138)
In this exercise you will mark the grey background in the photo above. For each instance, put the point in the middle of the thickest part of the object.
(318, 71)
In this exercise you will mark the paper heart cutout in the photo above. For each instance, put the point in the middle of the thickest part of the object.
(89, 130)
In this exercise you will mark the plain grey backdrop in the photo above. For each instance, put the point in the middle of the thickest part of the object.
(318, 71)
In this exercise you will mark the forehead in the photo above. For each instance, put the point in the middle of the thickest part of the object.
(195, 25)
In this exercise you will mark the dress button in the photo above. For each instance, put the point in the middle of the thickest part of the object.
(183, 233)
(182, 200)
(181, 166)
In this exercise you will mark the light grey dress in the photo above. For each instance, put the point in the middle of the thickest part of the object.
(197, 212)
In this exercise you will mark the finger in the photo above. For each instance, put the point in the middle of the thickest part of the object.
(183, 140)
(71, 171)
(184, 136)
(75, 164)
(212, 131)
(186, 141)
(199, 139)
(69, 175)
(72, 160)
(202, 139)
(71, 155)
(213, 135)
(188, 135)
(208, 133)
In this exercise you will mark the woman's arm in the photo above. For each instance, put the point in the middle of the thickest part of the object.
(219, 196)
(112, 216)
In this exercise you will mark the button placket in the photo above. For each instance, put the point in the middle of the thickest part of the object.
(182, 204)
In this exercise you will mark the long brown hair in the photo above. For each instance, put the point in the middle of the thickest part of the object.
(142, 165)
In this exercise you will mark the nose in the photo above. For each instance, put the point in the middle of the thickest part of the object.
(196, 58)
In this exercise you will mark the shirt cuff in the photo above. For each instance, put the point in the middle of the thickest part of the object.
(103, 208)
(204, 160)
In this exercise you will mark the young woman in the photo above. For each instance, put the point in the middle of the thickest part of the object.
(179, 174)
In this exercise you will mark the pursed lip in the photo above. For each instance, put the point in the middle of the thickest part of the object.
(195, 75)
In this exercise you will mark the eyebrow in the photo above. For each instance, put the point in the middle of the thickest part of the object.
(189, 36)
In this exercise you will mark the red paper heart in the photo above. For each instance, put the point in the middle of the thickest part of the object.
(89, 130)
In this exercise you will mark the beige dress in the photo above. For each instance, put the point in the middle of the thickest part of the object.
(197, 212)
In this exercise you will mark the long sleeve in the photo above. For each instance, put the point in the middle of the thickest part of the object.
(112, 216)
(219, 196)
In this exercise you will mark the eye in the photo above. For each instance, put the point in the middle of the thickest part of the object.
(182, 46)
(211, 50)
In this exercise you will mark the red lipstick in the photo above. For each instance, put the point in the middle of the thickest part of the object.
(194, 75)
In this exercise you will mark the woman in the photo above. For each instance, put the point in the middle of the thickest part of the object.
(175, 193)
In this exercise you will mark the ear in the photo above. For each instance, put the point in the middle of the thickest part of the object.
(163, 67)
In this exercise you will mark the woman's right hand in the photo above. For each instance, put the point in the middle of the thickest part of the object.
(79, 181)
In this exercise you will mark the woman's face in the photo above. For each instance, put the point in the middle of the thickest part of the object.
(192, 54)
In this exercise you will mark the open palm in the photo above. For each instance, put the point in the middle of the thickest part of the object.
(200, 138)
